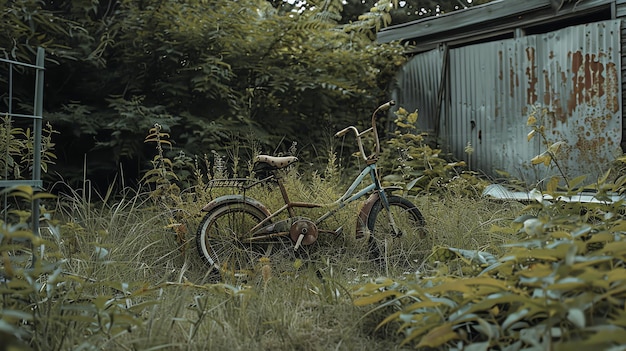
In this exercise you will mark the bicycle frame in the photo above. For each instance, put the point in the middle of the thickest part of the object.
(347, 197)
(265, 229)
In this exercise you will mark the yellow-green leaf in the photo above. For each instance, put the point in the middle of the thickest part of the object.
(576, 181)
(375, 298)
(438, 336)
(453, 285)
(543, 158)
(603, 179)
(389, 318)
(44, 196)
(552, 185)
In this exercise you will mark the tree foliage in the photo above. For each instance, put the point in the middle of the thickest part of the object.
(410, 10)
(205, 70)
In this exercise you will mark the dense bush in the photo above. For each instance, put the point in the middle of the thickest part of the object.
(559, 286)
(410, 160)
(207, 71)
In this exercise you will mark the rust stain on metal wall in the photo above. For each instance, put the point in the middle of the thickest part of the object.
(613, 96)
(589, 81)
(513, 78)
(573, 74)
(531, 73)
(549, 98)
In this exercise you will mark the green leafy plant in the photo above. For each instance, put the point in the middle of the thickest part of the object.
(17, 147)
(162, 174)
(410, 161)
(536, 121)
(12, 144)
(558, 286)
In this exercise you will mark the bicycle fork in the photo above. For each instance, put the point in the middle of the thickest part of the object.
(383, 198)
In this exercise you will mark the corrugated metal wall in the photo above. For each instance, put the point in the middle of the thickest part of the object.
(418, 85)
(573, 73)
(620, 13)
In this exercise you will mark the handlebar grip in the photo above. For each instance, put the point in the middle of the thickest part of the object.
(387, 105)
(342, 132)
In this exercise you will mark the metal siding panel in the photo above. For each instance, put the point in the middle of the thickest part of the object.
(582, 91)
(573, 73)
(418, 84)
(488, 80)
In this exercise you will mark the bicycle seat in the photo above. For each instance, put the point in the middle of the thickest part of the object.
(276, 162)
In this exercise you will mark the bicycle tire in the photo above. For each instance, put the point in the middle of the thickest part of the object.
(220, 243)
(397, 253)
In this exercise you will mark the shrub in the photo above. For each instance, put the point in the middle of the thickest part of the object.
(559, 286)
(410, 160)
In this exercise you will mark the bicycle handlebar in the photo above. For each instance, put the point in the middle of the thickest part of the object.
(386, 106)
(383, 107)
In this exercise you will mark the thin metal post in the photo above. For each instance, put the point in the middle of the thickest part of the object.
(38, 112)
(6, 152)
(37, 127)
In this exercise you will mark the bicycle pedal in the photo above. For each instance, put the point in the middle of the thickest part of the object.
(339, 231)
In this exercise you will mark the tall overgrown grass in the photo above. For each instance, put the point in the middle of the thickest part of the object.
(121, 279)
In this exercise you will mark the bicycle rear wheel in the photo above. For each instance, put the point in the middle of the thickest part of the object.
(396, 254)
(223, 239)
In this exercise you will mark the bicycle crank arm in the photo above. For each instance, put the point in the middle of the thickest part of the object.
(299, 242)
(302, 236)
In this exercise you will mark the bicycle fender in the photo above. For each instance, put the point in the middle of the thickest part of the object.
(361, 221)
(235, 199)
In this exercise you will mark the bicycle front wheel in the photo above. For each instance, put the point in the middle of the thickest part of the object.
(402, 252)
(224, 239)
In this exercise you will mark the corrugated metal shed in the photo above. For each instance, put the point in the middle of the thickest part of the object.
(571, 77)
(571, 74)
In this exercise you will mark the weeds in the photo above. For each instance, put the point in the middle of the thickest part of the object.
(411, 162)
(16, 146)
(557, 286)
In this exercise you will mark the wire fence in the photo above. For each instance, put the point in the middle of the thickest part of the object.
(18, 107)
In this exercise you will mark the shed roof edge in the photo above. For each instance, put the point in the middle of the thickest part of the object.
(474, 16)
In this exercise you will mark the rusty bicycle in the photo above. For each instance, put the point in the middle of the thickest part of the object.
(238, 230)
